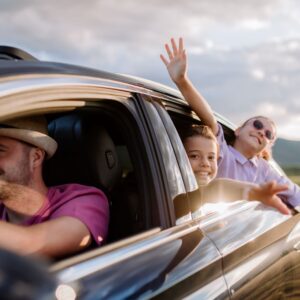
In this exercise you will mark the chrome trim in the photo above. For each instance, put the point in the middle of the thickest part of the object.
(96, 264)
(103, 250)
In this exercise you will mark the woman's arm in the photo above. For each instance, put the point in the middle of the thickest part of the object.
(265, 193)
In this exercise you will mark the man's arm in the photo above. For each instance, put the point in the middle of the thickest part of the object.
(53, 238)
(78, 215)
(177, 68)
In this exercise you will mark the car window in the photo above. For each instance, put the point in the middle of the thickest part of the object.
(131, 211)
(199, 206)
(175, 188)
(183, 161)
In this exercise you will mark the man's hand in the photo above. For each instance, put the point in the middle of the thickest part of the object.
(266, 193)
(177, 63)
(20, 199)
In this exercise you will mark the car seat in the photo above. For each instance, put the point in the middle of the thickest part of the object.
(86, 153)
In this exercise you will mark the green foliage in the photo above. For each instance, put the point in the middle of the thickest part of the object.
(295, 179)
(286, 153)
(293, 172)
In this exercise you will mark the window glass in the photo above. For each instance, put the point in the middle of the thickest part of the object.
(203, 202)
(173, 174)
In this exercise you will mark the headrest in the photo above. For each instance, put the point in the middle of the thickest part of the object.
(86, 153)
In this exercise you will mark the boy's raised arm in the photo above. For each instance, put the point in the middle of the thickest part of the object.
(177, 68)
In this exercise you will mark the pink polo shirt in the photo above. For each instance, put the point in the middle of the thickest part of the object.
(85, 203)
(232, 164)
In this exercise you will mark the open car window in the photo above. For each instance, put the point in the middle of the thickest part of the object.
(101, 147)
(202, 205)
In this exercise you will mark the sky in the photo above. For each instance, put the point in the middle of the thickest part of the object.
(243, 56)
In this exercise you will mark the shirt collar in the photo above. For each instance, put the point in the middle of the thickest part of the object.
(241, 158)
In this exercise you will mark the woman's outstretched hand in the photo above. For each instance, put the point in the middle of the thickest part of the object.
(266, 193)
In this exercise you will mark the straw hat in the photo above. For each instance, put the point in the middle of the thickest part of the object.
(32, 130)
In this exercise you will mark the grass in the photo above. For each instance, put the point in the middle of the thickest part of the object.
(295, 179)
(293, 172)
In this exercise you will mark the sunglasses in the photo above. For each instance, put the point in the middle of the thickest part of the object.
(258, 125)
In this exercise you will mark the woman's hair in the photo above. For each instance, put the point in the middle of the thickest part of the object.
(266, 154)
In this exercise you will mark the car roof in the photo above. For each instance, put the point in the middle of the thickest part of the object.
(13, 68)
(17, 62)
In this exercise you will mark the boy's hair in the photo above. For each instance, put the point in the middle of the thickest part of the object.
(198, 130)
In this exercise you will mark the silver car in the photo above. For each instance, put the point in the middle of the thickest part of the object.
(163, 243)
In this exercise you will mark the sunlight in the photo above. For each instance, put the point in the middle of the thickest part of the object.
(65, 292)
(85, 241)
(217, 207)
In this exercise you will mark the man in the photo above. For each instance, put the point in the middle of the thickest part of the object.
(35, 219)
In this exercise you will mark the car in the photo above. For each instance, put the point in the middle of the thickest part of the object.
(121, 133)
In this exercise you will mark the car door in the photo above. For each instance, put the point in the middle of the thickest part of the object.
(260, 249)
(169, 264)
(198, 274)
(258, 244)
(158, 262)
(172, 261)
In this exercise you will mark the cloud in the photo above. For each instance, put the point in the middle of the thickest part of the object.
(98, 24)
(253, 81)
(258, 74)
(243, 55)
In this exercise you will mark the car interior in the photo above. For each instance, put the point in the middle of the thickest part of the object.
(182, 121)
(93, 150)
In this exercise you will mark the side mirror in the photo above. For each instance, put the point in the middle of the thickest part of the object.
(13, 53)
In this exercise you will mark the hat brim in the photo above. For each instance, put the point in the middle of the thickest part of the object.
(34, 138)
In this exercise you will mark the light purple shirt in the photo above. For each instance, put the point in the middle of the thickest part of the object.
(85, 203)
(232, 164)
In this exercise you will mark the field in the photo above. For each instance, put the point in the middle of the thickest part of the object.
(295, 178)
(293, 173)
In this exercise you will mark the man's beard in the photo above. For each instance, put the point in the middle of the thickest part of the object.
(19, 173)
